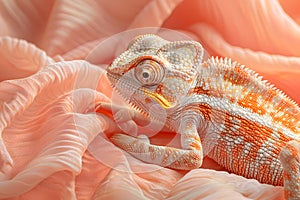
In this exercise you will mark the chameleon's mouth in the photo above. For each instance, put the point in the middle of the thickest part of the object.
(158, 98)
(126, 85)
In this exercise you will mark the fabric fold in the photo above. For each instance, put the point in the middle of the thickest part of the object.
(49, 111)
(20, 58)
(53, 145)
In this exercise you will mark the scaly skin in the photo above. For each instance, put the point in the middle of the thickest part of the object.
(245, 124)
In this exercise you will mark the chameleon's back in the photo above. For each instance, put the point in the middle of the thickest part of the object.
(252, 120)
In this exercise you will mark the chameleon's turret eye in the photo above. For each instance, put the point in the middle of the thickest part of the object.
(149, 72)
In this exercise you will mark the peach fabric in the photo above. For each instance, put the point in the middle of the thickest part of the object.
(52, 144)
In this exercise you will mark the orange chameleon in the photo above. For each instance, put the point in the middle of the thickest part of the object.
(253, 128)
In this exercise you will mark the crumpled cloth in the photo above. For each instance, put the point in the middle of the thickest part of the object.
(53, 145)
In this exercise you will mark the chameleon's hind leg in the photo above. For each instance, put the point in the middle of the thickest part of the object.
(290, 160)
(189, 157)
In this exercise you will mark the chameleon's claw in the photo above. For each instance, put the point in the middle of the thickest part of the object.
(144, 138)
(103, 106)
(128, 127)
(123, 115)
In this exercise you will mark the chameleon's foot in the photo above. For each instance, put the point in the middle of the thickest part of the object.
(122, 114)
(161, 155)
(290, 160)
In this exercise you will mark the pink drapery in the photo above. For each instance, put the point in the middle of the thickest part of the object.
(53, 147)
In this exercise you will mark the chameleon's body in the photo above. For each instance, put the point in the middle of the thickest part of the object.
(244, 123)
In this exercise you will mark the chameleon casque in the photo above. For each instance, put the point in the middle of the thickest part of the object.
(252, 127)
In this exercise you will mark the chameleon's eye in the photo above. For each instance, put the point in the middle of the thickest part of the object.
(149, 72)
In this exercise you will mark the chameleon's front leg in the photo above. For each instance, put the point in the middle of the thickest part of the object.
(189, 157)
(290, 160)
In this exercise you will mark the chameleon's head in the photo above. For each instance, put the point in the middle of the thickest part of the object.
(156, 71)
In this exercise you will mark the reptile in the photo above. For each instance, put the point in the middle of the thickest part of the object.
(220, 108)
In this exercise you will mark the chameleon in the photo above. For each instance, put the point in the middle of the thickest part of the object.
(219, 107)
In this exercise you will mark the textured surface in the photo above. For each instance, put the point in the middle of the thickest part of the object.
(47, 130)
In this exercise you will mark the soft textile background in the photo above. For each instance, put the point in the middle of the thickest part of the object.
(53, 147)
